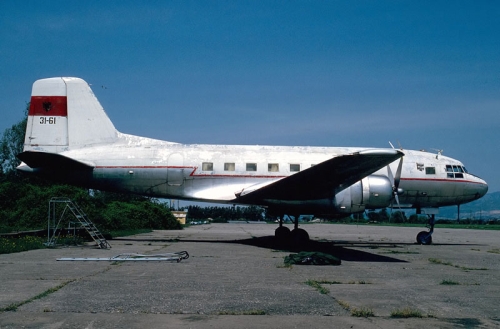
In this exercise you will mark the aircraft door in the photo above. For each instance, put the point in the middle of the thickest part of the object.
(175, 171)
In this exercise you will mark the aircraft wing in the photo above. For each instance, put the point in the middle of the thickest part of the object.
(323, 179)
(52, 161)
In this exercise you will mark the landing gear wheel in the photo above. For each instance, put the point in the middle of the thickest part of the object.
(424, 238)
(282, 233)
(299, 235)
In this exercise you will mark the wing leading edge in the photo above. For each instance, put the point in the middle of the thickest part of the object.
(324, 179)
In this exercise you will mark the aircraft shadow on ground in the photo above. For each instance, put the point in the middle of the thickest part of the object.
(327, 247)
(338, 249)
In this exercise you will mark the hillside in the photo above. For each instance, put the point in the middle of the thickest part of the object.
(488, 207)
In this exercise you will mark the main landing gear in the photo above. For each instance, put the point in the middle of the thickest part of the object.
(295, 236)
(425, 237)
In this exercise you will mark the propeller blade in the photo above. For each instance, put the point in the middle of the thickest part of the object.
(397, 179)
(390, 176)
(395, 182)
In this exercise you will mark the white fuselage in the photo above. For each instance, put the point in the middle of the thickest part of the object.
(217, 173)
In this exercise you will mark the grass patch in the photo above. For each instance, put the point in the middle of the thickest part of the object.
(439, 261)
(465, 268)
(406, 313)
(14, 306)
(12, 245)
(450, 283)
(362, 312)
(345, 305)
(250, 312)
(358, 282)
(328, 282)
(494, 251)
(317, 286)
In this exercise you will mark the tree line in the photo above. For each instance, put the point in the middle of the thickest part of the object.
(223, 214)
(24, 204)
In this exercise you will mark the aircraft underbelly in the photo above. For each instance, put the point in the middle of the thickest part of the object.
(152, 182)
(425, 193)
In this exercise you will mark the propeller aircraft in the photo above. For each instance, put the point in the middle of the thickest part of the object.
(70, 138)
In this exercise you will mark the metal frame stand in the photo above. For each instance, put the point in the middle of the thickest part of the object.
(59, 210)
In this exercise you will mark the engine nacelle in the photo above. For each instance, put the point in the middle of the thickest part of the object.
(370, 193)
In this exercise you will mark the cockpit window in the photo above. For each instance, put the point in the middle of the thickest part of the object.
(454, 171)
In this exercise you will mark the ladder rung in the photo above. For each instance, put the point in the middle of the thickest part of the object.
(86, 223)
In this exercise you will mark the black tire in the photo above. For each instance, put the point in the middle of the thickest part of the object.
(424, 238)
(299, 236)
(282, 233)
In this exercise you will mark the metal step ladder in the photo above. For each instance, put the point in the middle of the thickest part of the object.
(70, 207)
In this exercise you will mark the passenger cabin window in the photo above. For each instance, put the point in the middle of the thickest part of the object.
(207, 166)
(294, 167)
(273, 167)
(251, 167)
(229, 166)
(430, 170)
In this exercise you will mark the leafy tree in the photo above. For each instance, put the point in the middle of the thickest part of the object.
(11, 145)
(24, 202)
(414, 218)
(398, 217)
(383, 215)
(380, 216)
(220, 214)
(120, 215)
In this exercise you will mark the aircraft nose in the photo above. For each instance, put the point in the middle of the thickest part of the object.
(484, 188)
(481, 188)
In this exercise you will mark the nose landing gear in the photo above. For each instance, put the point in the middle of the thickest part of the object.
(425, 237)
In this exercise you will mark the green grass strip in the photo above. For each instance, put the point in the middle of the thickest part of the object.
(317, 286)
(14, 306)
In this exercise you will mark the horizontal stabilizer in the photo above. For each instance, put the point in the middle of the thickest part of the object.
(52, 161)
(324, 179)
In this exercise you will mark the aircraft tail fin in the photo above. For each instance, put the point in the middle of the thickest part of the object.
(64, 114)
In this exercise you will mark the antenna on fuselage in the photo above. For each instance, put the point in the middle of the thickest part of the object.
(440, 152)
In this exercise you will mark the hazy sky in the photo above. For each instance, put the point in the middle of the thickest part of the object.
(425, 74)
